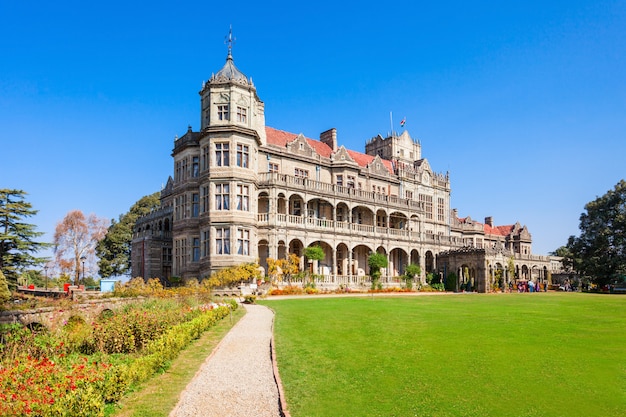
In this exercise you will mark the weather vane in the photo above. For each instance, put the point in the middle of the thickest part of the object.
(230, 40)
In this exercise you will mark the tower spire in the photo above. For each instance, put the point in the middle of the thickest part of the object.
(229, 40)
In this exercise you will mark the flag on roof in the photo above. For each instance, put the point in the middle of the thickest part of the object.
(403, 122)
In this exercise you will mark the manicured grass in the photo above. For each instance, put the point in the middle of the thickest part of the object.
(547, 354)
(158, 396)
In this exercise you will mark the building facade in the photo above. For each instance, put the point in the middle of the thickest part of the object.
(244, 192)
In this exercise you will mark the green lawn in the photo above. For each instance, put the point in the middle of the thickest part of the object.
(554, 354)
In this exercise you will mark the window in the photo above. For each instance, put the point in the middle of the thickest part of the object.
(242, 115)
(301, 173)
(195, 253)
(243, 197)
(177, 172)
(350, 181)
(195, 205)
(272, 167)
(381, 221)
(340, 214)
(409, 195)
(222, 112)
(427, 203)
(206, 243)
(180, 207)
(297, 208)
(222, 154)
(205, 157)
(184, 169)
(243, 155)
(340, 180)
(222, 197)
(180, 254)
(177, 261)
(222, 241)
(167, 256)
(205, 199)
(195, 167)
(440, 209)
(243, 242)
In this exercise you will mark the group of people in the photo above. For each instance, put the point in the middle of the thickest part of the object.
(530, 286)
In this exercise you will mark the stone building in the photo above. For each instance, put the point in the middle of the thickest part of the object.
(244, 192)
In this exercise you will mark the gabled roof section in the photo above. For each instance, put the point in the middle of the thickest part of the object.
(342, 155)
(499, 230)
(169, 187)
(281, 138)
(364, 160)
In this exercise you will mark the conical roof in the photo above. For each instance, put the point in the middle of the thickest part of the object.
(230, 73)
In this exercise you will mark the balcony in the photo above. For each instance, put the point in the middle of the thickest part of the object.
(272, 179)
(352, 229)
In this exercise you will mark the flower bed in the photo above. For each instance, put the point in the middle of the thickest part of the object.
(83, 366)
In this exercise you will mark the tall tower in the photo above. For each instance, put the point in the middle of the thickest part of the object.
(232, 127)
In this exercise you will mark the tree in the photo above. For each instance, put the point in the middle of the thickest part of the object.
(569, 262)
(5, 294)
(114, 250)
(75, 239)
(17, 238)
(314, 253)
(376, 261)
(410, 272)
(600, 250)
(510, 266)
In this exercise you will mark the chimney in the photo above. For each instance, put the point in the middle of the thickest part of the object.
(489, 221)
(455, 214)
(330, 138)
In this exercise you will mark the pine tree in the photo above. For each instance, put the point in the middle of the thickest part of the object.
(18, 243)
(5, 294)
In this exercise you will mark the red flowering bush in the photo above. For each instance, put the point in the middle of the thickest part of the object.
(44, 375)
(42, 387)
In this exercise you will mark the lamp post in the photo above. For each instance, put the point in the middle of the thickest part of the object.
(82, 258)
(45, 269)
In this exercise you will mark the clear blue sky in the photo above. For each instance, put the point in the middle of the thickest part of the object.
(524, 104)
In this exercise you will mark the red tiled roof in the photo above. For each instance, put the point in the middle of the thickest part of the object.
(282, 138)
(364, 160)
(498, 230)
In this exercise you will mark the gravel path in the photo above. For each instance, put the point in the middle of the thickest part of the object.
(238, 378)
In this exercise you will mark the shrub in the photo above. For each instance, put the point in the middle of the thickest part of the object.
(249, 299)
(57, 382)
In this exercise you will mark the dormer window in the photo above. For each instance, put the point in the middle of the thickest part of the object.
(242, 115)
(222, 112)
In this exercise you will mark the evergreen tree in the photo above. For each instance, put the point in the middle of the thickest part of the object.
(600, 251)
(114, 250)
(5, 294)
(18, 243)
